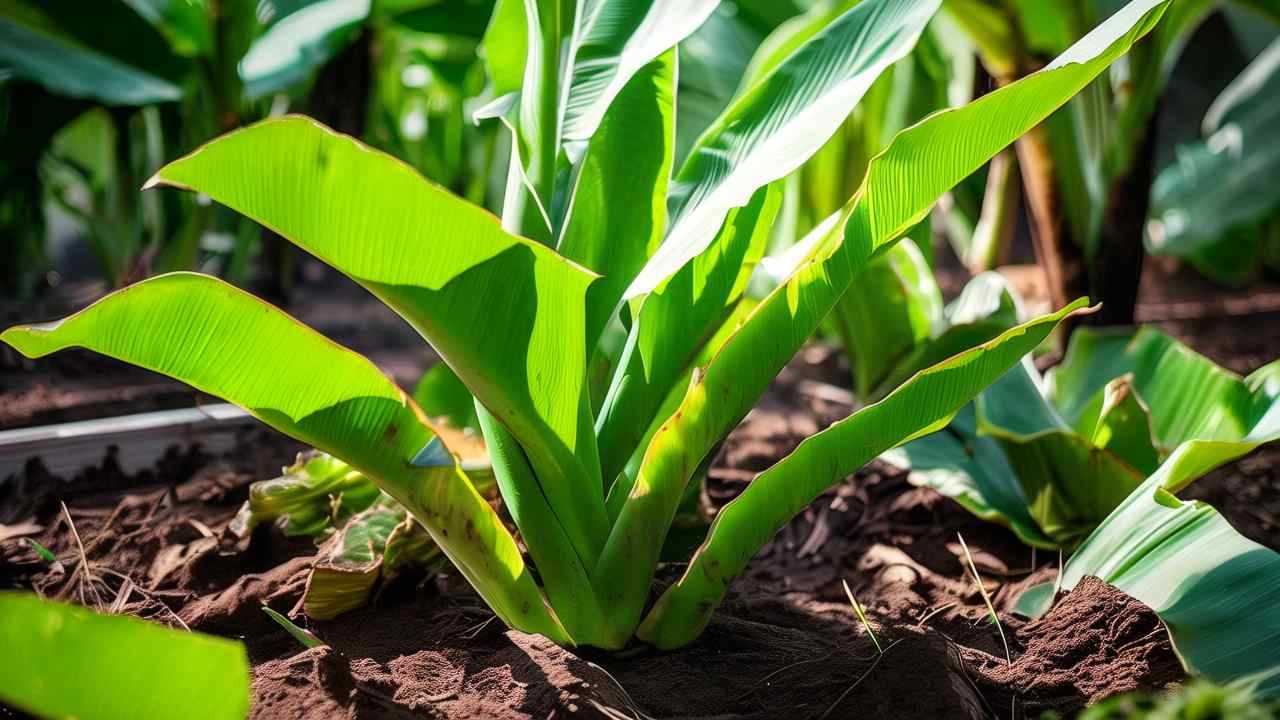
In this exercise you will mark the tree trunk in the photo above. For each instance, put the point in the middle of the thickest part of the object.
(1117, 269)
(1061, 259)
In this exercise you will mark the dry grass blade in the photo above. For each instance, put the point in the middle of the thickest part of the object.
(626, 696)
(862, 616)
(986, 598)
(83, 572)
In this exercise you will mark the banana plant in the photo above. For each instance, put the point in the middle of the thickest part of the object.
(1214, 589)
(1052, 457)
(1087, 173)
(95, 112)
(1214, 204)
(591, 480)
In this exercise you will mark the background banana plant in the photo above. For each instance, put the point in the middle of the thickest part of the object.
(94, 105)
(621, 263)
(1052, 457)
(1087, 172)
(1212, 205)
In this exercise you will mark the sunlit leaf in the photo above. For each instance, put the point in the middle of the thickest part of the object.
(69, 662)
(772, 128)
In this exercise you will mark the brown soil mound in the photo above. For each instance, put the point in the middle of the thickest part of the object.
(431, 659)
(1096, 642)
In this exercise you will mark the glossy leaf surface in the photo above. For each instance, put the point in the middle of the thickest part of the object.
(70, 662)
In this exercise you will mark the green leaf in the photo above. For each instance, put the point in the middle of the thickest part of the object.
(674, 325)
(69, 662)
(505, 47)
(373, 547)
(619, 37)
(184, 23)
(504, 312)
(790, 35)
(1221, 181)
(1215, 590)
(618, 210)
(441, 394)
(903, 182)
(228, 343)
(1124, 426)
(1106, 417)
(972, 470)
(712, 63)
(304, 637)
(986, 307)
(895, 308)
(313, 495)
(35, 48)
(533, 173)
(777, 494)
(299, 43)
(773, 127)
(1189, 396)
(1070, 483)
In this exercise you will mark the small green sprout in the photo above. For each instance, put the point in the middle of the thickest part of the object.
(304, 637)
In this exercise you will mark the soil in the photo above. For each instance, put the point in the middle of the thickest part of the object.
(785, 644)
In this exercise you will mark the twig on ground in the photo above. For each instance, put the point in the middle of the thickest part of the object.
(857, 682)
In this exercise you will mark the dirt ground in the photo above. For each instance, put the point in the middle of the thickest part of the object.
(785, 644)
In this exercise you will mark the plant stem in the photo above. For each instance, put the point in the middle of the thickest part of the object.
(993, 234)
(1061, 259)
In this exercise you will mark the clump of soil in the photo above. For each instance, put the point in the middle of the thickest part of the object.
(1095, 643)
(432, 659)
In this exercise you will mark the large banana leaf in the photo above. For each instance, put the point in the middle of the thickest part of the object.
(1079, 442)
(230, 344)
(505, 313)
(1217, 592)
(618, 211)
(675, 323)
(65, 661)
(901, 185)
(773, 127)
(618, 38)
(972, 470)
(1223, 180)
(1070, 482)
(695, 297)
(299, 43)
(34, 47)
(774, 496)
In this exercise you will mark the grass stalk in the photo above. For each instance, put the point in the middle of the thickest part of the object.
(986, 598)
